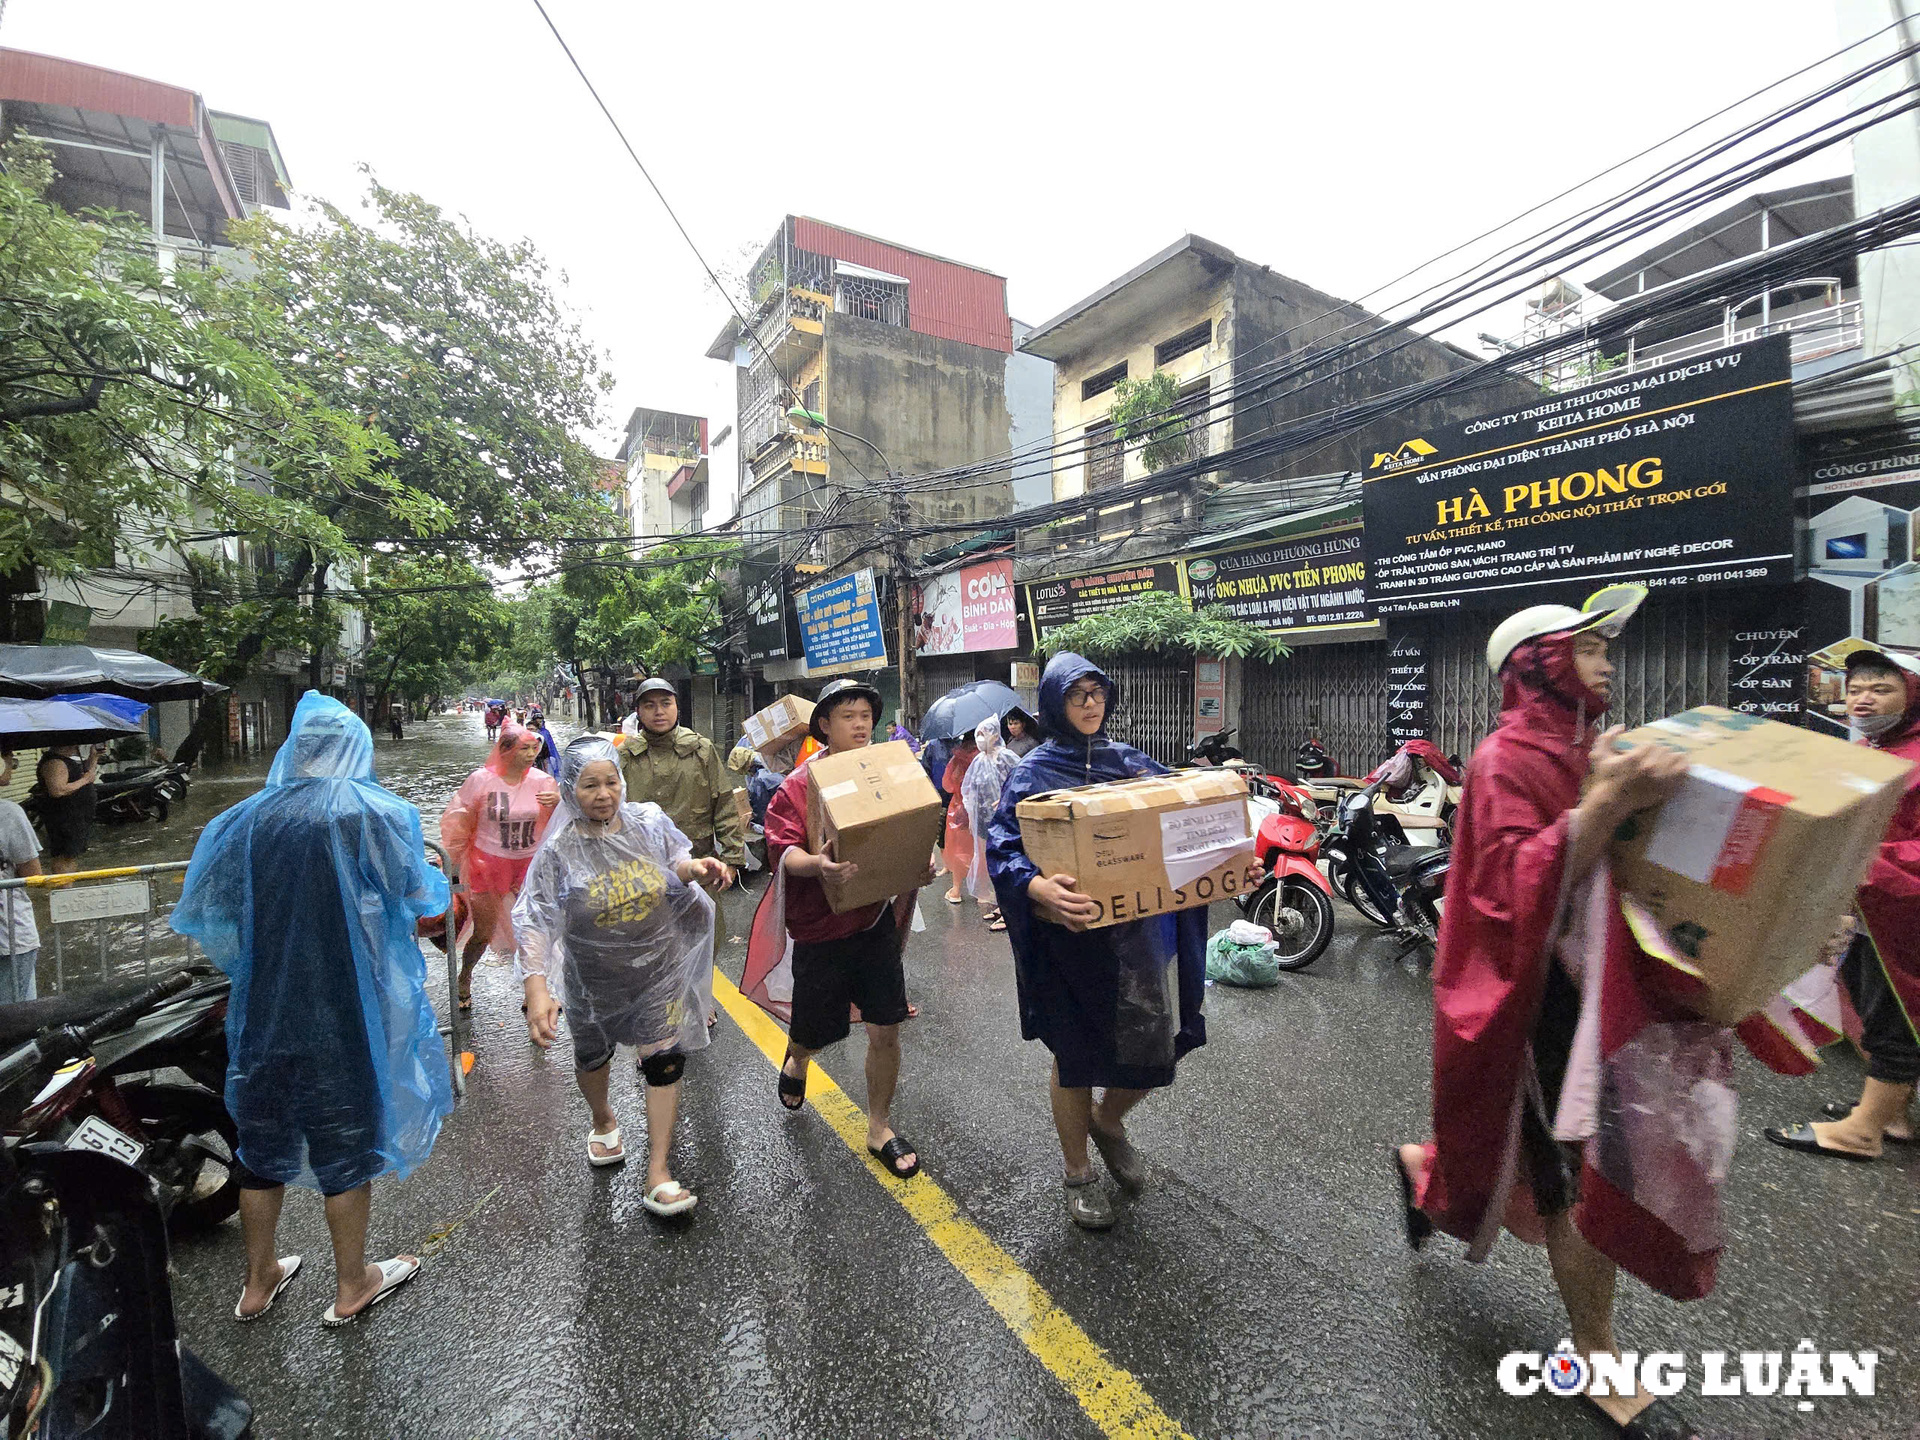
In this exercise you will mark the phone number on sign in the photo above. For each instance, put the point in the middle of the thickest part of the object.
(1699, 577)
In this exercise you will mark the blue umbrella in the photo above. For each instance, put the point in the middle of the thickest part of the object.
(134, 712)
(41, 724)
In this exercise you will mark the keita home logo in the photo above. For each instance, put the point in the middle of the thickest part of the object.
(1411, 452)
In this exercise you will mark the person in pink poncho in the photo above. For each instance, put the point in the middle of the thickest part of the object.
(490, 829)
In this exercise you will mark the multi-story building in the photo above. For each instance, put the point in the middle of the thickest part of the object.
(664, 457)
(154, 150)
(910, 353)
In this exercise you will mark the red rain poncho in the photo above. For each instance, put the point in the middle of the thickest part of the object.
(1890, 898)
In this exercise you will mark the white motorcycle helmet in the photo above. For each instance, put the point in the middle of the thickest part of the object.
(1606, 612)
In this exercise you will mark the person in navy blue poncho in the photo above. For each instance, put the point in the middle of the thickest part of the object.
(1117, 1006)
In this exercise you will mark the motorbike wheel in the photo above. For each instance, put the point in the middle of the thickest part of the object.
(193, 1151)
(1357, 897)
(1300, 916)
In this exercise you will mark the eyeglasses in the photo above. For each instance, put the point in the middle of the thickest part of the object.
(1084, 695)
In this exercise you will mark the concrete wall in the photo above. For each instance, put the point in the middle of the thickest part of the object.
(1277, 320)
(1886, 169)
(1072, 415)
(926, 403)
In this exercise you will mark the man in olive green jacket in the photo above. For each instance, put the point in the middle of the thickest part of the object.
(682, 772)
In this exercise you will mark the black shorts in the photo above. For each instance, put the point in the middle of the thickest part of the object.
(830, 975)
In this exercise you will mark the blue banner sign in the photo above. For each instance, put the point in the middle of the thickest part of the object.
(840, 623)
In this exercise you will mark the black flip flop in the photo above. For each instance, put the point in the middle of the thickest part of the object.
(793, 1088)
(1419, 1227)
(1841, 1109)
(1659, 1421)
(1801, 1137)
(889, 1155)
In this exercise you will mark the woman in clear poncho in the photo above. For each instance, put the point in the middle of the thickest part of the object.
(980, 791)
(612, 922)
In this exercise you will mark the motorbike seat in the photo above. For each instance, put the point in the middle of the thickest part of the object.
(1400, 859)
(22, 1020)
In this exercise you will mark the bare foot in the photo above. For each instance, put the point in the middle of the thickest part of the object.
(255, 1297)
(351, 1300)
(1839, 1135)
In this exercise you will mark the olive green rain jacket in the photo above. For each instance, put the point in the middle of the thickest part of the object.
(682, 772)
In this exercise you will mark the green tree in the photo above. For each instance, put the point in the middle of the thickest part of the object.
(431, 617)
(661, 610)
(1160, 623)
(1143, 414)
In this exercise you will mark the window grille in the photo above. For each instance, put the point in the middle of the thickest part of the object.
(1106, 457)
(882, 301)
(1099, 384)
(1185, 343)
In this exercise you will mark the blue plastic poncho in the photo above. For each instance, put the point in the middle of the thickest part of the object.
(625, 944)
(1118, 1005)
(307, 895)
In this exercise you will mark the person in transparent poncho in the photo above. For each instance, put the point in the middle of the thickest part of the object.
(612, 923)
(980, 794)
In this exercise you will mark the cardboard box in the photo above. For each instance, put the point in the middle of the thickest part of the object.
(781, 723)
(1144, 847)
(744, 809)
(875, 807)
(1745, 871)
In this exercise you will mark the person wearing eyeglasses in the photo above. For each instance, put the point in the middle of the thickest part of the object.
(1102, 1001)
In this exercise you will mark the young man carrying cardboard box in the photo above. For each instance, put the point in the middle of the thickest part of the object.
(1881, 970)
(840, 958)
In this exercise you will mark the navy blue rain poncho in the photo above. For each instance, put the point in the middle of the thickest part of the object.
(1118, 1005)
(307, 894)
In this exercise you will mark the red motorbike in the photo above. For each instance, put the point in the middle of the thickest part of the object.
(1295, 901)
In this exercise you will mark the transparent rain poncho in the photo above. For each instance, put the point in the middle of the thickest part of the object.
(307, 894)
(980, 794)
(626, 946)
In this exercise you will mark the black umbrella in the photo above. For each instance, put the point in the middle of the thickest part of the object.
(37, 672)
(42, 724)
(957, 712)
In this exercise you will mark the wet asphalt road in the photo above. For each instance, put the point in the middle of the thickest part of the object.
(1259, 1287)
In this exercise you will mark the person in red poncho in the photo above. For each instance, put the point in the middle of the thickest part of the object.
(1881, 970)
(1506, 1010)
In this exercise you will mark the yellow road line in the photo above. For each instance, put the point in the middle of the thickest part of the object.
(1112, 1398)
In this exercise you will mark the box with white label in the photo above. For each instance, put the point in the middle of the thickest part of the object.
(1143, 847)
(875, 807)
(781, 723)
(1745, 871)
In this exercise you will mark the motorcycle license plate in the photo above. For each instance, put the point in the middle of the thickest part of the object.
(96, 1135)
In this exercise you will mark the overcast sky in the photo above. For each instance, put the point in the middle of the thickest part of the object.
(1055, 144)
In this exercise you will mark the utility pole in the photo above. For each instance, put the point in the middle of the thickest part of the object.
(898, 514)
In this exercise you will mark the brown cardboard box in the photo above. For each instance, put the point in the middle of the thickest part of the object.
(781, 723)
(1144, 847)
(875, 807)
(744, 809)
(1747, 869)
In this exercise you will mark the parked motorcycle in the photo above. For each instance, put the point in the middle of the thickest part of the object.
(187, 1138)
(1417, 792)
(1295, 901)
(1396, 885)
(126, 797)
(88, 1343)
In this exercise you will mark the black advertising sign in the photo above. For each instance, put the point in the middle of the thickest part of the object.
(1680, 475)
(1407, 687)
(766, 612)
(1767, 658)
(1053, 603)
(1287, 585)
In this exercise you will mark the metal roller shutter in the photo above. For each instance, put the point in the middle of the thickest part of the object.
(1156, 706)
(1340, 691)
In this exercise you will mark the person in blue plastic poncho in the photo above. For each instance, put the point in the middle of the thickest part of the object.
(307, 895)
(1117, 1006)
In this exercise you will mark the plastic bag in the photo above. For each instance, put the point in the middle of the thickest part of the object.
(1231, 963)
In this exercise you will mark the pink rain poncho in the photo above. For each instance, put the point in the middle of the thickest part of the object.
(626, 946)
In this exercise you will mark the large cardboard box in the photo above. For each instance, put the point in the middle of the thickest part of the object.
(875, 807)
(1746, 870)
(743, 807)
(779, 724)
(1144, 847)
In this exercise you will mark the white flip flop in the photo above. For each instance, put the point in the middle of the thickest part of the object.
(393, 1274)
(611, 1140)
(658, 1206)
(290, 1266)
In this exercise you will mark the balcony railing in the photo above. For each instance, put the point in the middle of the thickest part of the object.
(1828, 330)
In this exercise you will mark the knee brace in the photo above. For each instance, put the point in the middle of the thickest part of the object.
(663, 1068)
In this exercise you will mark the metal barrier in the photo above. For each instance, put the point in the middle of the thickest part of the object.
(112, 901)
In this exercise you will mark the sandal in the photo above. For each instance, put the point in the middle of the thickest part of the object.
(793, 1088)
(1087, 1204)
(290, 1267)
(1801, 1137)
(1122, 1160)
(999, 922)
(1419, 1227)
(679, 1205)
(393, 1274)
(1659, 1421)
(1841, 1109)
(889, 1155)
(466, 999)
(608, 1140)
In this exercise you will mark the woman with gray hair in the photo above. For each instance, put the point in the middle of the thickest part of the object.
(612, 924)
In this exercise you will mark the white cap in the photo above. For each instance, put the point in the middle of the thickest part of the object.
(1606, 613)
